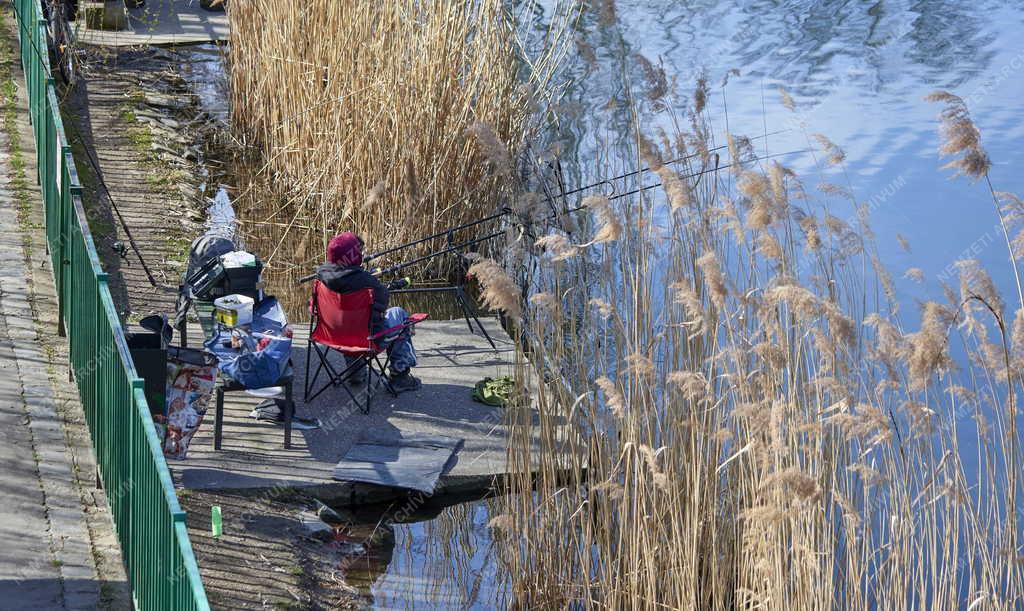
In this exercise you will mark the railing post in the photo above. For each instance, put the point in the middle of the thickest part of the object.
(30, 68)
(99, 413)
(132, 504)
(39, 88)
(64, 269)
(48, 145)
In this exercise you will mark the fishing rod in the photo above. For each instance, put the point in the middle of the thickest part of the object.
(451, 249)
(117, 211)
(550, 198)
(394, 285)
(456, 247)
(439, 234)
(670, 161)
(407, 281)
(697, 174)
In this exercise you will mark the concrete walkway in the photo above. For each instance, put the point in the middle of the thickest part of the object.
(54, 530)
(29, 575)
(47, 557)
(161, 22)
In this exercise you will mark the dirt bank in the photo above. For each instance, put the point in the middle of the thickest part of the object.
(137, 133)
(265, 557)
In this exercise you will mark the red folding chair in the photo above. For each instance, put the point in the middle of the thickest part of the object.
(340, 322)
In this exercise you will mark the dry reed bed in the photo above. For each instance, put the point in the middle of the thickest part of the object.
(393, 119)
(750, 434)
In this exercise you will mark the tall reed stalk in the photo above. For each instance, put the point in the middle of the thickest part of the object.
(725, 423)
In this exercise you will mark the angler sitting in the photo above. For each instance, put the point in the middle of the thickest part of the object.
(343, 273)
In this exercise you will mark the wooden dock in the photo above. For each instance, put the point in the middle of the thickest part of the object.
(451, 361)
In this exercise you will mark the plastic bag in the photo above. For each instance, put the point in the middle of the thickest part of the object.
(258, 356)
(261, 365)
(190, 384)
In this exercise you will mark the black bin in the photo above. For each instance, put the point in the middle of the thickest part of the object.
(151, 365)
(242, 280)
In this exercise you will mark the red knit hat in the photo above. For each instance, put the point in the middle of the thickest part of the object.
(345, 249)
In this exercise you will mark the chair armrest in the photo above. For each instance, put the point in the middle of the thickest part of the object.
(412, 320)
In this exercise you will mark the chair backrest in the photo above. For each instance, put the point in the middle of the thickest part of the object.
(341, 319)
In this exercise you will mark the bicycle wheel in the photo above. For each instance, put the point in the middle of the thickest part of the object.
(58, 15)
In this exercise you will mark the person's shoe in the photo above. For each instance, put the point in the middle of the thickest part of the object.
(357, 377)
(403, 381)
(271, 410)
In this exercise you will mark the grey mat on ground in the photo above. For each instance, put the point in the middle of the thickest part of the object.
(414, 461)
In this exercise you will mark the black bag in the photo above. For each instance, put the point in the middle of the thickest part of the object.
(213, 280)
(205, 281)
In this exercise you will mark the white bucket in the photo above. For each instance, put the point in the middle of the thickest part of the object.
(233, 310)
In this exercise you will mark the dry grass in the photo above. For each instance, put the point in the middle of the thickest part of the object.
(747, 433)
(392, 119)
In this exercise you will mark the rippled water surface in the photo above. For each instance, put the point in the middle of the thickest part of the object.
(858, 72)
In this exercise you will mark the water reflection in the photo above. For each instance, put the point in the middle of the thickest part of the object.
(406, 556)
(206, 72)
(221, 213)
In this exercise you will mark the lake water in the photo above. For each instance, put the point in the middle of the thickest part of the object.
(858, 72)
(437, 557)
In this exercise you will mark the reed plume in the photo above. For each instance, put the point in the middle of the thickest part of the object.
(961, 137)
(497, 290)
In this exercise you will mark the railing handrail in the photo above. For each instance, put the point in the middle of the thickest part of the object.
(90, 245)
(112, 393)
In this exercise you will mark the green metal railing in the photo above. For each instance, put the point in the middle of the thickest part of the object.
(149, 521)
